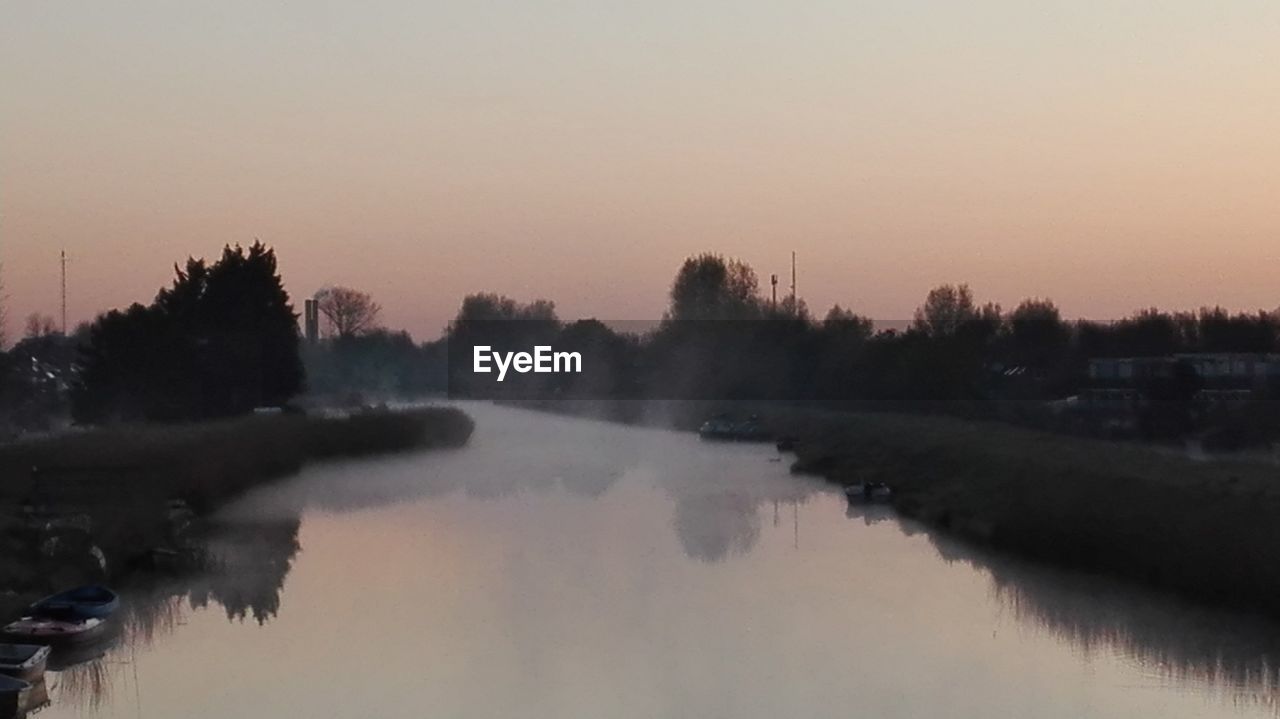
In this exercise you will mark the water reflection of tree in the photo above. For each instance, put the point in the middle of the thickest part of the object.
(719, 502)
(244, 568)
(253, 560)
(1180, 641)
(716, 526)
(87, 684)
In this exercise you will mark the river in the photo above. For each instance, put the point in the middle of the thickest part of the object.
(559, 567)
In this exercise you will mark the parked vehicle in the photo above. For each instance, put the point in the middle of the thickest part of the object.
(23, 661)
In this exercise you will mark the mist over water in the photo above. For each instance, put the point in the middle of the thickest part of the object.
(560, 567)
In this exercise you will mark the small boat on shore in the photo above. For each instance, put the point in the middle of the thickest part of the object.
(868, 492)
(91, 602)
(47, 630)
(23, 661)
(14, 694)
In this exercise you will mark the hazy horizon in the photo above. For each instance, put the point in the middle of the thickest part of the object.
(1111, 158)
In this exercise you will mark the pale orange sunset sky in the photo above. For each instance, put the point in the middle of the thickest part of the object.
(1110, 155)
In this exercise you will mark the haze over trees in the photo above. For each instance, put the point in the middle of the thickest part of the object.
(721, 339)
(223, 339)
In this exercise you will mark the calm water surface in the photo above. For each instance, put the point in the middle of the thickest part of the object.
(565, 568)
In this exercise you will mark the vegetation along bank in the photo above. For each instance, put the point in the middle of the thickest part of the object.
(110, 502)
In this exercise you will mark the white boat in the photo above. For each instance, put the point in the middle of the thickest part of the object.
(44, 630)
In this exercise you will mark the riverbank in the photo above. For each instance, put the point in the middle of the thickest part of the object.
(1203, 528)
(102, 504)
(1208, 529)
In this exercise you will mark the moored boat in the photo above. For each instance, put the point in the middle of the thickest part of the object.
(868, 492)
(91, 602)
(14, 694)
(23, 661)
(47, 630)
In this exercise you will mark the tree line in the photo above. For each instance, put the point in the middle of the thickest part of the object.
(220, 341)
(224, 338)
(721, 337)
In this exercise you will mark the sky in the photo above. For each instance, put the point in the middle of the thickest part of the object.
(1109, 155)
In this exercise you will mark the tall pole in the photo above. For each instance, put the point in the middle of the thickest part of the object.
(793, 280)
(64, 293)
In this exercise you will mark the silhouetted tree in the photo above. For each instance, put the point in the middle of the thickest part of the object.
(946, 310)
(709, 287)
(843, 337)
(487, 306)
(349, 312)
(39, 325)
(611, 366)
(1037, 333)
(379, 362)
(848, 322)
(221, 340)
(500, 323)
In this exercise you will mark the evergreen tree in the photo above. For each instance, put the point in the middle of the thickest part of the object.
(220, 341)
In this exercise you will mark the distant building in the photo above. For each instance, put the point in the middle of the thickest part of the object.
(1224, 377)
(311, 321)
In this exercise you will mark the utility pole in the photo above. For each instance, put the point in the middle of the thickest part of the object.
(64, 293)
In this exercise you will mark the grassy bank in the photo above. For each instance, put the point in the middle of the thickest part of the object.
(1206, 529)
(115, 488)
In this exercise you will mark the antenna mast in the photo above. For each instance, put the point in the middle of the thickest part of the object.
(64, 293)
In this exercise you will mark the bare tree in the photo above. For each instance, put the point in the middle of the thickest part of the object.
(39, 325)
(349, 313)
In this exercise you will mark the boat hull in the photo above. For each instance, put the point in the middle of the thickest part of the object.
(94, 602)
(14, 695)
(866, 493)
(24, 661)
(54, 632)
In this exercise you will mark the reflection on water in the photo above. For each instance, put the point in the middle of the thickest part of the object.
(253, 560)
(248, 562)
(1180, 643)
(562, 568)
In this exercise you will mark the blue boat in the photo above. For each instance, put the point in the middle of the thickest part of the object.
(23, 661)
(91, 602)
(868, 492)
(14, 694)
